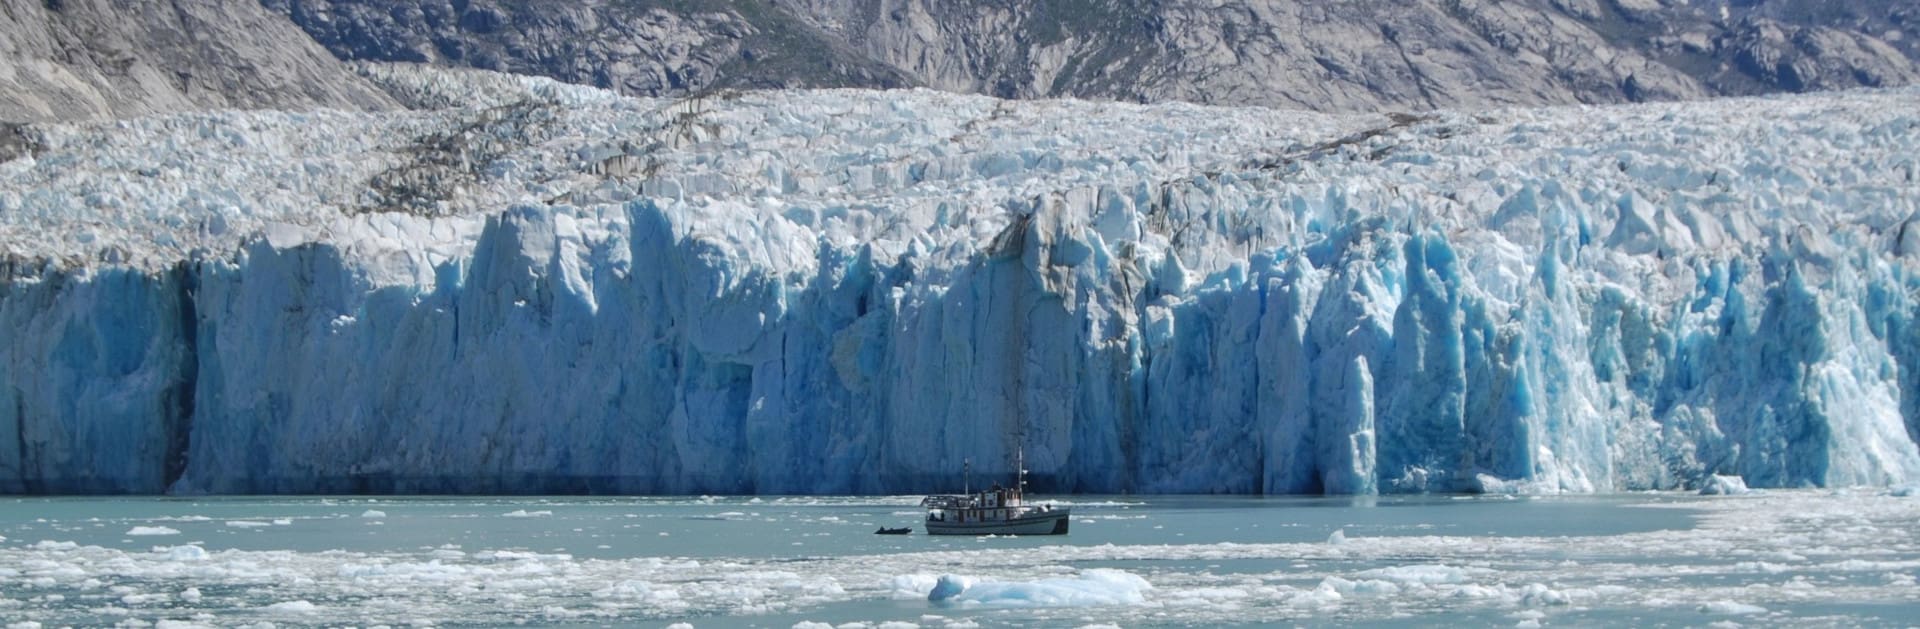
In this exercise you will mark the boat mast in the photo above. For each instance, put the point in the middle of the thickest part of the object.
(1020, 463)
(966, 476)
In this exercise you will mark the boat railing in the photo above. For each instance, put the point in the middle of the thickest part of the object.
(947, 502)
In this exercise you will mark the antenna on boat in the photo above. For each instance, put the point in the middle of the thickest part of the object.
(1020, 463)
(966, 476)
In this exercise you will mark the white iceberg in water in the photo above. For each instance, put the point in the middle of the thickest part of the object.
(142, 531)
(1724, 485)
(1093, 587)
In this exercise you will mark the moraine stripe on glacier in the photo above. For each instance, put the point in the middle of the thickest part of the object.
(552, 289)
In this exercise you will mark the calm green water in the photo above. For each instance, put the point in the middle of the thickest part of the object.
(1812, 558)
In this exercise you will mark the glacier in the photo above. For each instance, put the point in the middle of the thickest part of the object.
(522, 286)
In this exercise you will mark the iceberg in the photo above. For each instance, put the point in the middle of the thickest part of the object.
(1724, 486)
(1091, 588)
(556, 289)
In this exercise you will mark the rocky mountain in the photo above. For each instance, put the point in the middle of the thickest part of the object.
(1325, 55)
(649, 48)
(93, 59)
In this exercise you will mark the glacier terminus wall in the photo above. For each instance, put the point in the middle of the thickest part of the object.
(532, 287)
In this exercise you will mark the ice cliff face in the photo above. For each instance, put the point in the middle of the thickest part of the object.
(556, 289)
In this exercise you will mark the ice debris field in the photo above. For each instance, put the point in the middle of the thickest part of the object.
(530, 287)
(1792, 558)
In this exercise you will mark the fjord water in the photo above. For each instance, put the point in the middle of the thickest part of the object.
(1780, 557)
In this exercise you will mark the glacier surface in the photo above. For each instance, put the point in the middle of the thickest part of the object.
(531, 287)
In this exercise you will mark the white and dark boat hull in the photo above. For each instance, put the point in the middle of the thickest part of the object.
(1052, 522)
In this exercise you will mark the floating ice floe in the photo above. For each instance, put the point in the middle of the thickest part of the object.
(152, 530)
(1092, 587)
(185, 553)
(1731, 608)
(292, 608)
(1724, 485)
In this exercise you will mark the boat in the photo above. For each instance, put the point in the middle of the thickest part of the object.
(899, 531)
(994, 511)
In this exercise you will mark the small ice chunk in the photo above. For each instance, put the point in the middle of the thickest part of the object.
(523, 513)
(245, 524)
(152, 530)
(191, 595)
(373, 513)
(1540, 594)
(166, 623)
(1723, 485)
(808, 624)
(908, 587)
(1338, 537)
(292, 607)
(186, 553)
(948, 587)
(1731, 608)
(628, 589)
(136, 599)
(282, 521)
(1427, 574)
(1096, 586)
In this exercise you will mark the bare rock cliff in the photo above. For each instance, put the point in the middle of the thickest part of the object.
(1316, 54)
(98, 59)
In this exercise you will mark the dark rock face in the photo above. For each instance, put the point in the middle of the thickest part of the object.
(96, 59)
(636, 47)
(1323, 55)
(1369, 55)
(92, 59)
